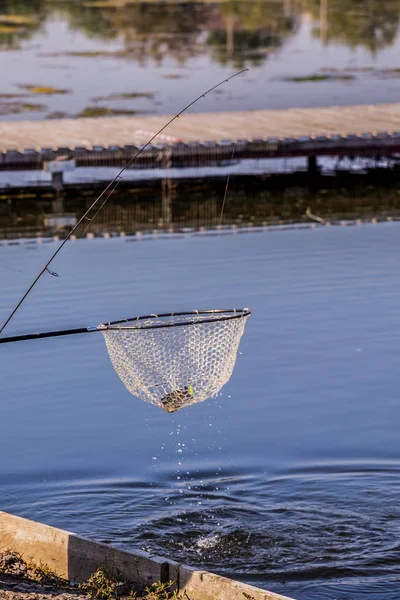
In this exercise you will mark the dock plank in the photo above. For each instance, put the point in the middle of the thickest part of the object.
(200, 127)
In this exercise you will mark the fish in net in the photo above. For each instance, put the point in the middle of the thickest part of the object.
(177, 360)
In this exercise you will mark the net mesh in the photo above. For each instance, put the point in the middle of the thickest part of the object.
(176, 361)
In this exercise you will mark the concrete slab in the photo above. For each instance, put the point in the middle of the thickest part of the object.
(76, 558)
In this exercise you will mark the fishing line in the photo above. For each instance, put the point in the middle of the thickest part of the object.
(226, 189)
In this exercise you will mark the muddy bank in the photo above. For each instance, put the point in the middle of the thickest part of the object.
(18, 588)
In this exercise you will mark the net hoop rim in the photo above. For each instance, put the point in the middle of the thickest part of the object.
(232, 313)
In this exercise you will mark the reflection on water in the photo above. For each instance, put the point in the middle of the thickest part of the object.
(236, 30)
(293, 48)
(174, 205)
(374, 25)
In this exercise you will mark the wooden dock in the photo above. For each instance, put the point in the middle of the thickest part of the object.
(204, 137)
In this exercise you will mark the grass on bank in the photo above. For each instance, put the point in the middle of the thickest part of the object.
(103, 584)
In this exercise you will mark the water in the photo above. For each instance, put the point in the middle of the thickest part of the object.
(153, 58)
(290, 479)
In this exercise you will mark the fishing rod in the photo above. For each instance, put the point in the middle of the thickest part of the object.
(110, 189)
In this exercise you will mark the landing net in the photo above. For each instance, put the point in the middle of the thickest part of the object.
(176, 360)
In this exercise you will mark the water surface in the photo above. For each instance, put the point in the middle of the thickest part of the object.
(156, 57)
(290, 479)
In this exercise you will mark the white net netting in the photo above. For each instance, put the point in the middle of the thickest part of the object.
(176, 361)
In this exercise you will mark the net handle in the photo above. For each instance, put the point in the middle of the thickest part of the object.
(46, 334)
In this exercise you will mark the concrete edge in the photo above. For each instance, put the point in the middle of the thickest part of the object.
(76, 558)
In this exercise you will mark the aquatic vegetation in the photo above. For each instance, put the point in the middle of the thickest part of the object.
(97, 53)
(58, 114)
(320, 77)
(16, 108)
(33, 107)
(44, 90)
(88, 53)
(174, 76)
(390, 73)
(11, 96)
(94, 111)
(105, 111)
(338, 74)
(124, 96)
